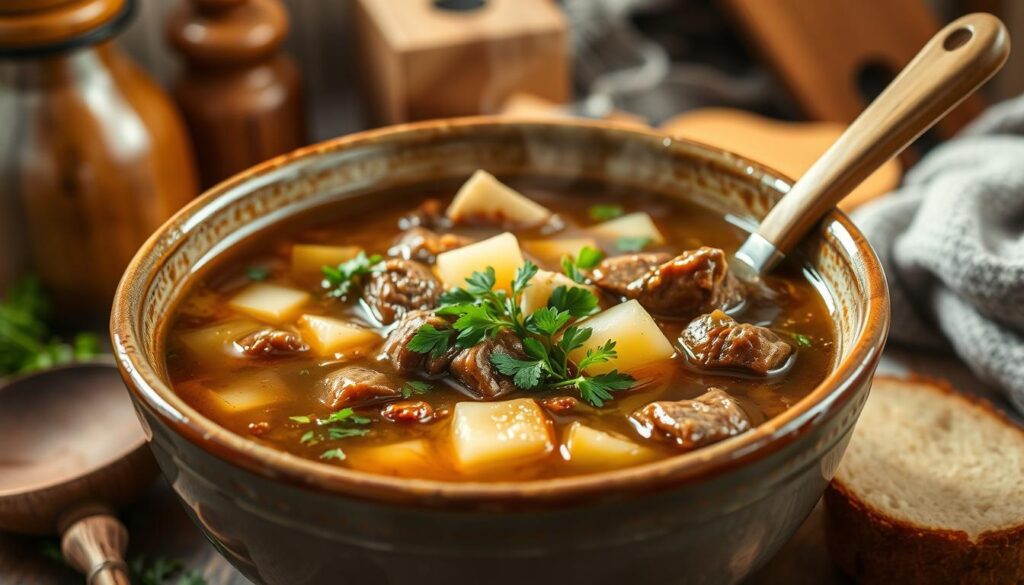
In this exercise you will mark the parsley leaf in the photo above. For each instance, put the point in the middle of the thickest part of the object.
(335, 433)
(588, 258)
(335, 453)
(257, 273)
(632, 243)
(415, 387)
(547, 321)
(481, 282)
(598, 389)
(339, 280)
(598, 356)
(578, 302)
(602, 212)
(525, 373)
(343, 415)
(334, 427)
(802, 340)
(429, 339)
(301, 419)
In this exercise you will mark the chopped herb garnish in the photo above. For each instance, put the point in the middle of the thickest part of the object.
(547, 334)
(588, 258)
(415, 387)
(604, 212)
(339, 280)
(333, 427)
(335, 453)
(632, 243)
(802, 340)
(257, 273)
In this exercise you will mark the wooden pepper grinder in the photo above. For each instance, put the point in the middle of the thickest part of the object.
(240, 94)
(93, 155)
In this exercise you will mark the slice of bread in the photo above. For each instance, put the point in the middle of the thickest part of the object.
(931, 490)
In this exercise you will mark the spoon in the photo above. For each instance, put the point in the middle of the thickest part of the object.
(951, 66)
(73, 452)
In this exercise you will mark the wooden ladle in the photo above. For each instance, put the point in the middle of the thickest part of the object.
(73, 452)
(950, 67)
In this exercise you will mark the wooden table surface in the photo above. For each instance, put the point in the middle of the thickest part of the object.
(160, 528)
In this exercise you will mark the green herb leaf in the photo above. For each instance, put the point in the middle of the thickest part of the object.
(802, 340)
(335, 453)
(481, 282)
(547, 321)
(631, 243)
(415, 387)
(604, 212)
(456, 296)
(523, 275)
(600, 355)
(337, 433)
(308, 437)
(598, 389)
(344, 415)
(429, 339)
(589, 257)
(574, 338)
(301, 419)
(339, 280)
(525, 373)
(577, 301)
(257, 273)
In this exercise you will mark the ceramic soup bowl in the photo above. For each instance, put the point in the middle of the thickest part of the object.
(711, 516)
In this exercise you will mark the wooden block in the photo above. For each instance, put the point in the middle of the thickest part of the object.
(421, 61)
(789, 147)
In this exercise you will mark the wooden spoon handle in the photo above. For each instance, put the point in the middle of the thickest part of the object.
(95, 546)
(953, 64)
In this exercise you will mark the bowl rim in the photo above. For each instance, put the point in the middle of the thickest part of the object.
(148, 390)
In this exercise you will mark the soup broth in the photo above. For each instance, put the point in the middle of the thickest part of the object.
(267, 345)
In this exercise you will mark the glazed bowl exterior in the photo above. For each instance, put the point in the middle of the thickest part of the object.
(710, 516)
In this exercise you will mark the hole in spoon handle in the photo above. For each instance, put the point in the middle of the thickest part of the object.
(957, 38)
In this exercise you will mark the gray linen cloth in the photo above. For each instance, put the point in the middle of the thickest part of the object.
(951, 240)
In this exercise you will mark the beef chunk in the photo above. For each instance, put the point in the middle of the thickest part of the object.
(559, 404)
(408, 411)
(474, 369)
(271, 342)
(690, 424)
(421, 244)
(696, 281)
(399, 287)
(716, 340)
(356, 386)
(472, 366)
(429, 214)
(396, 346)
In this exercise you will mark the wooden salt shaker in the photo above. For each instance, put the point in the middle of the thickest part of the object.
(240, 94)
(93, 155)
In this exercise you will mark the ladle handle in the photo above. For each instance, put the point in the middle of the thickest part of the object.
(953, 64)
(95, 546)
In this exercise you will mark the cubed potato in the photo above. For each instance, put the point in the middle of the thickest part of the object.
(541, 286)
(413, 458)
(489, 437)
(269, 302)
(550, 252)
(589, 449)
(218, 340)
(500, 252)
(328, 336)
(308, 259)
(631, 225)
(484, 199)
(249, 391)
(638, 340)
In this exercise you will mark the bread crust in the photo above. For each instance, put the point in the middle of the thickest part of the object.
(872, 547)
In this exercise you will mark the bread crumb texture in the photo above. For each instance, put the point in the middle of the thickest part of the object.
(934, 459)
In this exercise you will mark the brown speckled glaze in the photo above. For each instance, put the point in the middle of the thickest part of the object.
(710, 516)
